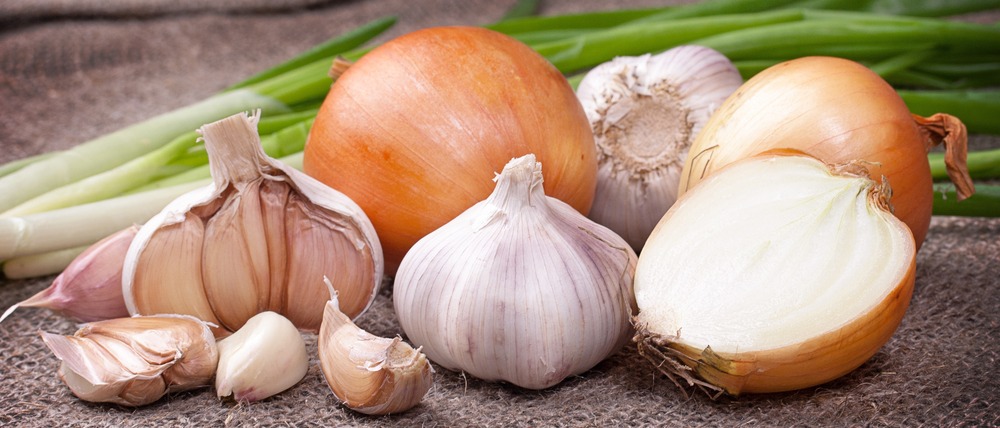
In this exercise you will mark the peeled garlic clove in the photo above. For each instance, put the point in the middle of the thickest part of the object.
(519, 288)
(135, 361)
(252, 241)
(645, 113)
(370, 374)
(264, 357)
(775, 273)
(90, 288)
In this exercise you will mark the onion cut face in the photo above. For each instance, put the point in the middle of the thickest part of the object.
(838, 111)
(776, 273)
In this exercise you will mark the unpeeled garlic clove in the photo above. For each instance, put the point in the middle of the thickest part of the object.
(90, 288)
(135, 361)
(370, 374)
(264, 357)
(519, 288)
(645, 113)
(252, 241)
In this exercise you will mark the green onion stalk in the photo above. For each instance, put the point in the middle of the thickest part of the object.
(272, 95)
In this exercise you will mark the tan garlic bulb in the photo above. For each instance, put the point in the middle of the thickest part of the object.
(519, 288)
(645, 112)
(252, 241)
(135, 361)
(370, 374)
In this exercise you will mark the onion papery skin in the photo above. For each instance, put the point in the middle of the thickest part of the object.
(833, 109)
(414, 130)
(678, 288)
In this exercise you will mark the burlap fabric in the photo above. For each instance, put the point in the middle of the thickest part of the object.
(71, 70)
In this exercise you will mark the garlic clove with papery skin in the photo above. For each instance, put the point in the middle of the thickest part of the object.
(367, 373)
(645, 112)
(264, 357)
(519, 288)
(252, 241)
(135, 361)
(775, 273)
(90, 288)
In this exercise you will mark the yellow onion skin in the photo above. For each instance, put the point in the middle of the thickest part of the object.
(804, 365)
(413, 131)
(834, 109)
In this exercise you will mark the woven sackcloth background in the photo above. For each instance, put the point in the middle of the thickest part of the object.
(72, 70)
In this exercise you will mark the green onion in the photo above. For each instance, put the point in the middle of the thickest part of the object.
(141, 170)
(116, 148)
(579, 21)
(903, 61)
(849, 32)
(42, 264)
(196, 156)
(325, 50)
(631, 39)
(82, 224)
(984, 203)
(979, 109)
(287, 142)
(917, 8)
(15, 165)
(718, 7)
(521, 9)
(61, 229)
(982, 164)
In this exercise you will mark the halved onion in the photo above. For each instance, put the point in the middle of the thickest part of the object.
(776, 273)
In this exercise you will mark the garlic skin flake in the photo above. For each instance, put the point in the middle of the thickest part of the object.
(519, 288)
(135, 361)
(252, 241)
(370, 374)
(645, 113)
(264, 357)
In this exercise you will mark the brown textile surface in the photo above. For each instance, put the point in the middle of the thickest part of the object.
(65, 80)
(45, 9)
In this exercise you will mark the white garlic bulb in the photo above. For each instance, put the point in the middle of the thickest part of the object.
(264, 357)
(254, 240)
(519, 288)
(645, 112)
